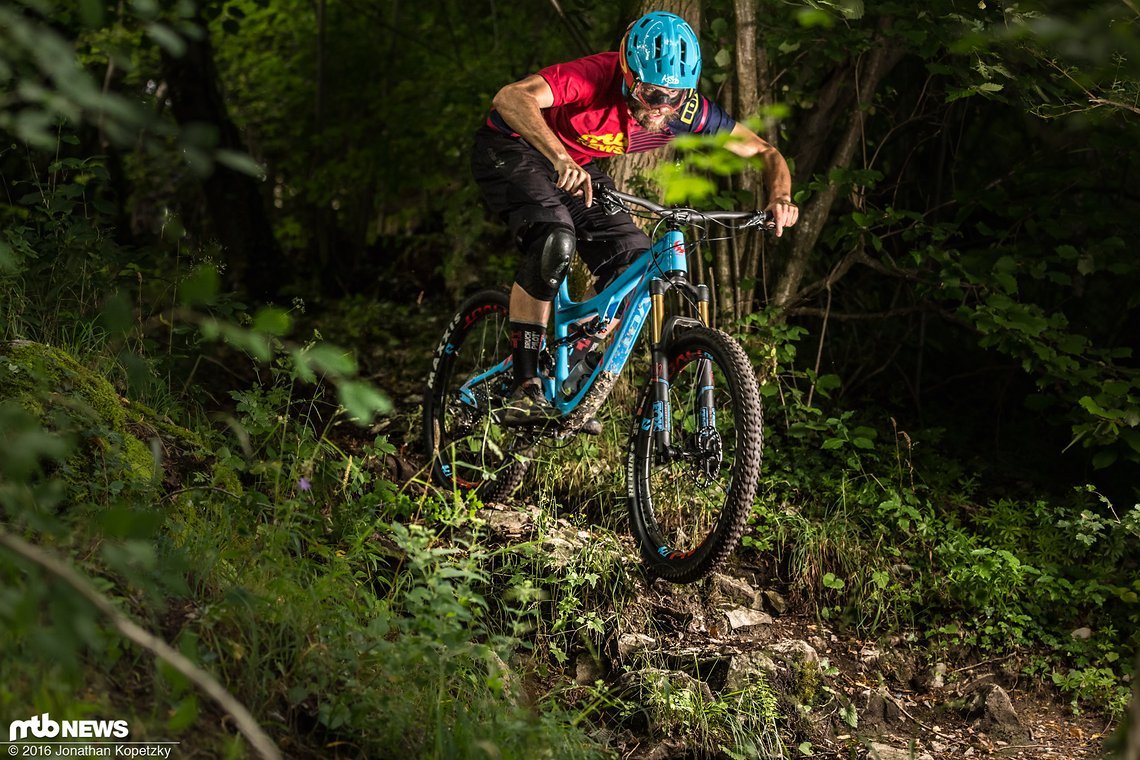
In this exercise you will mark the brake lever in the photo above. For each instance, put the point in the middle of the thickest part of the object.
(761, 219)
(609, 203)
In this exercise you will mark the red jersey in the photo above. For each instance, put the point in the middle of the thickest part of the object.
(591, 118)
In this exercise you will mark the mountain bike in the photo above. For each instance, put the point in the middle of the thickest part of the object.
(693, 457)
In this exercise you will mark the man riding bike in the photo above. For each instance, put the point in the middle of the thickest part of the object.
(533, 164)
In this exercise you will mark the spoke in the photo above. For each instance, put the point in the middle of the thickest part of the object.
(687, 501)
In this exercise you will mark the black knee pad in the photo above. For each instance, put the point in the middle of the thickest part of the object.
(548, 249)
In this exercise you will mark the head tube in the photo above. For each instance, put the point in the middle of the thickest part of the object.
(669, 252)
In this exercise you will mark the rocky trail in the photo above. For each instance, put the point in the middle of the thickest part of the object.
(834, 696)
(707, 645)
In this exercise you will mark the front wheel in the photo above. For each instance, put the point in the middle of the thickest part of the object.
(688, 505)
(471, 378)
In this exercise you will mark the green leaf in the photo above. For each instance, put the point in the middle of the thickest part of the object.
(1105, 458)
(329, 359)
(184, 715)
(362, 401)
(8, 264)
(1092, 407)
(240, 162)
(167, 39)
(827, 382)
(272, 321)
(813, 17)
(200, 288)
(832, 582)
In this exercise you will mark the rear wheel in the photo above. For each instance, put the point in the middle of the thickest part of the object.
(688, 506)
(471, 378)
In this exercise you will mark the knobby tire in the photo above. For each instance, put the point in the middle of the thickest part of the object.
(657, 491)
(476, 339)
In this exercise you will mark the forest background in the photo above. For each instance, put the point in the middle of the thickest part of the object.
(200, 200)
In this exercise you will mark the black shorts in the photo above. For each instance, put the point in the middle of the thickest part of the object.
(518, 184)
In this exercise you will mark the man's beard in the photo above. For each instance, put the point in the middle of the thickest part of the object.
(642, 116)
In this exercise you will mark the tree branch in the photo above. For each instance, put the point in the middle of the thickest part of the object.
(811, 311)
(146, 640)
(882, 58)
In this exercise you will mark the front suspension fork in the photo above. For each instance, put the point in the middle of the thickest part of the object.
(661, 413)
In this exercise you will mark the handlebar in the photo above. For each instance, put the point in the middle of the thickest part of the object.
(614, 200)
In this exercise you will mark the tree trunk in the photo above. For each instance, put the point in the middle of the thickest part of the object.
(752, 93)
(881, 60)
(629, 171)
(833, 99)
(233, 200)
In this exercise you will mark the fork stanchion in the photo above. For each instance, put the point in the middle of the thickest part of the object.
(657, 315)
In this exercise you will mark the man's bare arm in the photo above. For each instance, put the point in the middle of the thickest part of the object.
(520, 104)
(777, 176)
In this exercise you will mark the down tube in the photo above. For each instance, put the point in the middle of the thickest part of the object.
(621, 347)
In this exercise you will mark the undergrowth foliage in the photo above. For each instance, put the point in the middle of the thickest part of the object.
(884, 534)
(295, 571)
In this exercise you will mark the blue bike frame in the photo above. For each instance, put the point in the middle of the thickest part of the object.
(633, 286)
(643, 282)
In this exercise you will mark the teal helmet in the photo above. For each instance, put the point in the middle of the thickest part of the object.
(661, 49)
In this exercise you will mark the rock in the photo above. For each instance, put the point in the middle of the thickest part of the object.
(48, 384)
(879, 709)
(894, 666)
(804, 673)
(874, 709)
(1082, 633)
(938, 675)
(736, 589)
(776, 601)
(632, 643)
(666, 749)
(506, 678)
(563, 545)
(587, 669)
(508, 522)
(999, 708)
(796, 650)
(742, 618)
(997, 718)
(660, 694)
(876, 751)
(745, 668)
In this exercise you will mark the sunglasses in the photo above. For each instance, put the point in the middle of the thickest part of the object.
(652, 96)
